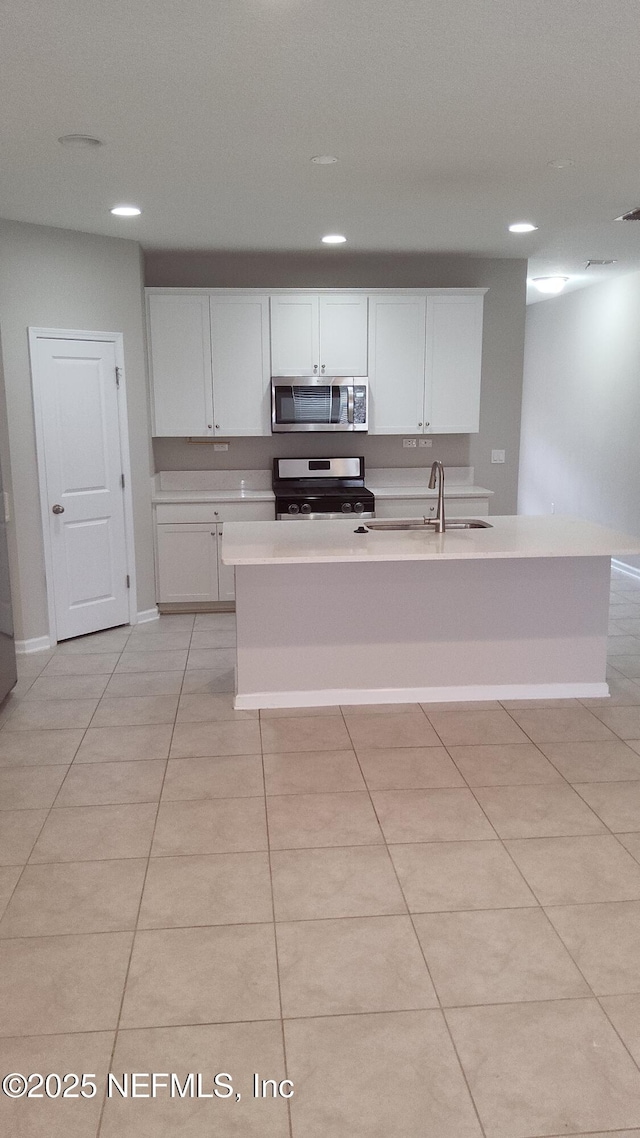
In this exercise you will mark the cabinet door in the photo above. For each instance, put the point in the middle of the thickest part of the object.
(187, 568)
(294, 335)
(454, 359)
(180, 364)
(241, 365)
(396, 364)
(343, 335)
(226, 575)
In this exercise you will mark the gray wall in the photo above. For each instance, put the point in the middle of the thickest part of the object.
(581, 406)
(55, 278)
(501, 366)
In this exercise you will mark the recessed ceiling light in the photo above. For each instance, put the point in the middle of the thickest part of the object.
(80, 141)
(324, 159)
(522, 227)
(550, 285)
(334, 239)
(125, 210)
(560, 163)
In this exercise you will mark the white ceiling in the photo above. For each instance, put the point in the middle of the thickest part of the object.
(444, 115)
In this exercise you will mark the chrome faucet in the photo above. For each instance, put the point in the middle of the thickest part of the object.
(438, 468)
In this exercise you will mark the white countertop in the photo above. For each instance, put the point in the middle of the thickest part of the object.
(315, 542)
(186, 497)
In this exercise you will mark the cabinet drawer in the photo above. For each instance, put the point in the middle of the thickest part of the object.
(211, 513)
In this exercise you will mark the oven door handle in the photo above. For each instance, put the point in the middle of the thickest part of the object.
(350, 403)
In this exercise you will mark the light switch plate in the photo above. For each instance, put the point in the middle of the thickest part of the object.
(425, 442)
(497, 455)
(221, 446)
(408, 442)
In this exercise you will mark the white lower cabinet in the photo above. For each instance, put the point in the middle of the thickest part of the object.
(226, 575)
(187, 568)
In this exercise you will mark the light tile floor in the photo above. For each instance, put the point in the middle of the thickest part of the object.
(456, 892)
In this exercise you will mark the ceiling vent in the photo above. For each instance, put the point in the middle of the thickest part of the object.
(632, 215)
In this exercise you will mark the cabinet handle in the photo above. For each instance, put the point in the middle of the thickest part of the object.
(323, 367)
(217, 426)
(419, 424)
(315, 367)
(215, 513)
(427, 424)
(209, 426)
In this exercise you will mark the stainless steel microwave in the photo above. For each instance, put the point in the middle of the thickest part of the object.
(319, 403)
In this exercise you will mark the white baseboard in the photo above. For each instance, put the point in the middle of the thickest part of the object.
(622, 567)
(250, 701)
(36, 644)
(148, 614)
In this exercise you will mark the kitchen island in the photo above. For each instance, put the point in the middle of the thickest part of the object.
(329, 615)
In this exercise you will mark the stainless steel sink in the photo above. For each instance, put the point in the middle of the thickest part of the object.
(427, 524)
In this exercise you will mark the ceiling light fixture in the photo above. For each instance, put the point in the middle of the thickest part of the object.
(324, 159)
(125, 211)
(334, 239)
(550, 285)
(522, 227)
(80, 141)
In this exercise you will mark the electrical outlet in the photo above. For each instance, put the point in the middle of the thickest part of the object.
(408, 442)
(221, 446)
(497, 455)
(425, 442)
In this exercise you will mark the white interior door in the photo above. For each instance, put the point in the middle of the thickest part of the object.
(83, 472)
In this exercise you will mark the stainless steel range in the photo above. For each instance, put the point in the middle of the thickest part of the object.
(321, 488)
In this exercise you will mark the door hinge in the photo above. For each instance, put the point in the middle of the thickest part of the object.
(118, 373)
(122, 481)
(128, 581)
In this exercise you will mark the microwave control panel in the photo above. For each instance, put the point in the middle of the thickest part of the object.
(359, 404)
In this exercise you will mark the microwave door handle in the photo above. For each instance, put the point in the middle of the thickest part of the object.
(350, 404)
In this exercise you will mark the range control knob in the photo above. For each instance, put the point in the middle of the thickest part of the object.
(359, 507)
(346, 507)
(293, 508)
(305, 508)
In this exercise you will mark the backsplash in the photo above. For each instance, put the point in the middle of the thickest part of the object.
(258, 453)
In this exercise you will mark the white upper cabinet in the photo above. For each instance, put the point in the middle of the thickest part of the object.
(425, 356)
(343, 335)
(453, 364)
(396, 364)
(180, 361)
(241, 364)
(319, 335)
(212, 355)
(295, 335)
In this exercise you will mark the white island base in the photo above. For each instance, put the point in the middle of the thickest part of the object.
(395, 631)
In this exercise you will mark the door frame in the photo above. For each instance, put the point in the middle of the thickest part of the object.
(37, 380)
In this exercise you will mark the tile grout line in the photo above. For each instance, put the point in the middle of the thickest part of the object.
(419, 943)
(133, 938)
(275, 932)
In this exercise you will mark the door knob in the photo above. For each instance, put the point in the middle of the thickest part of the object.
(57, 509)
